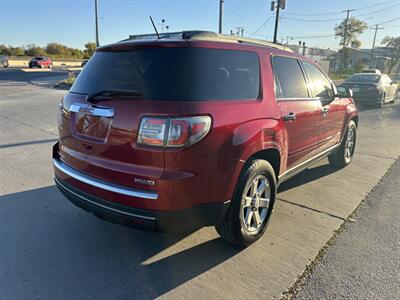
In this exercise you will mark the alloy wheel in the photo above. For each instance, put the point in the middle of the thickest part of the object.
(349, 146)
(255, 203)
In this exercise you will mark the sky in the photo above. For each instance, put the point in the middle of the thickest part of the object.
(71, 22)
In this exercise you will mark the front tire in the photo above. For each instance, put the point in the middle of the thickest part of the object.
(344, 155)
(251, 206)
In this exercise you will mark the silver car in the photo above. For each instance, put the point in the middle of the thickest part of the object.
(4, 61)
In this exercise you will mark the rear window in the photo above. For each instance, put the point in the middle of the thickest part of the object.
(363, 78)
(176, 74)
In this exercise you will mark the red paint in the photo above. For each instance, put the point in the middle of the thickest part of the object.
(207, 171)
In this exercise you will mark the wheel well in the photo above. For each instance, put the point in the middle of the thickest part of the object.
(355, 119)
(272, 156)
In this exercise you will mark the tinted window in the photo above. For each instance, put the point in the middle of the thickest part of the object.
(363, 78)
(182, 74)
(318, 82)
(290, 78)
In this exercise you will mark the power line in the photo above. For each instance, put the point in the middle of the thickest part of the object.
(313, 36)
(340, 12)
(379, 10)
(392, 20)
(306, 20)
(262, 25)
(339, 19)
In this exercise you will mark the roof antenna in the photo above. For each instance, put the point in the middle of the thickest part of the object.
(155, 28)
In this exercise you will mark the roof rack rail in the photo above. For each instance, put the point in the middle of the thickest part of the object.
(198, 35)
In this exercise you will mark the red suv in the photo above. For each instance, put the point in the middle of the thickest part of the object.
(41, 62)
(196, 129)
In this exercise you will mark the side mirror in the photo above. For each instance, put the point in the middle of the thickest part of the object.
(343, 92)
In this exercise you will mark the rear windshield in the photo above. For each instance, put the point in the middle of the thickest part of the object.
(363, 78)
(176, 74)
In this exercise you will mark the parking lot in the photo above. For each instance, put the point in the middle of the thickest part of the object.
(51, 249)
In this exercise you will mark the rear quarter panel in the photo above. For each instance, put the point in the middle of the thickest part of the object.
(239, 129)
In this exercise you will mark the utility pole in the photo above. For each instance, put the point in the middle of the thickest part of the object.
(345, 37)
(220, 16)
(281, 4)
(97, 23)
(371, 59)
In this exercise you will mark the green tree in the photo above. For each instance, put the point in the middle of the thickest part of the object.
(354, 28)
(90, 48)
(4, 50)
(393, 43)
(56, 49)
(33, 50)
(356, 44)
(19, 51)
(348, 31)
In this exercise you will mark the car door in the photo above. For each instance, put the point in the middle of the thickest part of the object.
(332, 112)
(301, 114)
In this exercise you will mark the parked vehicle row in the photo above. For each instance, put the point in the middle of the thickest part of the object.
(175, 134)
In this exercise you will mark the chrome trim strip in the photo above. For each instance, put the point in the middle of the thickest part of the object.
(104, 206)
(87, 109)
(297, 169)
(103, 184)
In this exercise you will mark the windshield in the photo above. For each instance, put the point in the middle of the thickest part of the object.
(364, 78)
(180, 74)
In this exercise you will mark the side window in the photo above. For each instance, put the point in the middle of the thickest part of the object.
(318, 82)
(289, 79)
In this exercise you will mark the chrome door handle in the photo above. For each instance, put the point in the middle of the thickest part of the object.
(290, 117)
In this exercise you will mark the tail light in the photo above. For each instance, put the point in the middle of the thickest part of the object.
(173, 132)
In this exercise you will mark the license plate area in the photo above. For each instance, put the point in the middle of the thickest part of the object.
(91, 122)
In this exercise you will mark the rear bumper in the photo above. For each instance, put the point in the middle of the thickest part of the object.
(372, 98)
(165, 221)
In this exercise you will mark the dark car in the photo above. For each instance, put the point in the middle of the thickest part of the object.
(4, 61)
(41, 62)
(84, 62)
(371, 89)
(175, 134)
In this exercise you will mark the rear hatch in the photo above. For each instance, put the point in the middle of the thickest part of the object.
(98, 133)
(124, 86)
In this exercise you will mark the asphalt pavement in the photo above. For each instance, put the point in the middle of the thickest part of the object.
(51, 249)
(364, 261)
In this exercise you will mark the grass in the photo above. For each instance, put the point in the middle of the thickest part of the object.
(66, 83)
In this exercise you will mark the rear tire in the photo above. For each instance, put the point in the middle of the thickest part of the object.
(344, 155)
(251, 207)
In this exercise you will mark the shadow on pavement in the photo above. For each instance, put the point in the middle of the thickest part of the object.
(45, 141)
(308, 175)
(51, 249)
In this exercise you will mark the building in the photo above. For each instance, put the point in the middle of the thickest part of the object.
(361, 59)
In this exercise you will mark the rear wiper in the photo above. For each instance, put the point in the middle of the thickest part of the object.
(92, 97)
